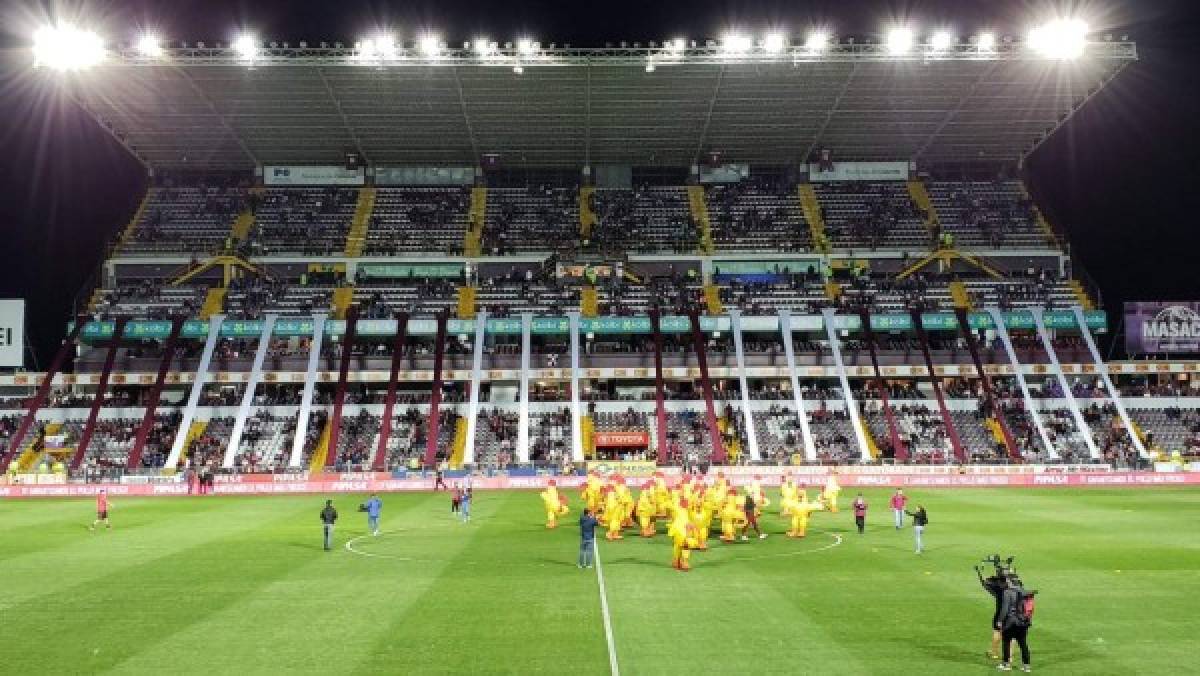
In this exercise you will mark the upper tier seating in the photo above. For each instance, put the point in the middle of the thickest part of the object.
(986, 213)
(749, 217)
(869, 215)
(646, 220)
(311, 221)
(417, 220)
(534, 219)
(185, 220)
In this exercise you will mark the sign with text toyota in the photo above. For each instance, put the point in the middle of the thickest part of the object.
(1162, 327)
(12, 333)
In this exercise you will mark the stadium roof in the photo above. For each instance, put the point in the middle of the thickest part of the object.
(212, 108)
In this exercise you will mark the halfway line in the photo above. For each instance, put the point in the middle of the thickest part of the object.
(608, 634)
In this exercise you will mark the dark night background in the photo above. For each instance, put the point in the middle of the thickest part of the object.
(1121, 176)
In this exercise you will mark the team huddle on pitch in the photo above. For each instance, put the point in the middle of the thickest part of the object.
(692, 506)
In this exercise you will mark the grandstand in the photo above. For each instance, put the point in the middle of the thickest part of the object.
(540, 252)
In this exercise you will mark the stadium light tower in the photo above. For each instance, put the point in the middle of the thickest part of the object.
(736, 43)
(430, 45)
(941, 41)
(149, 46)
(66, 47)
(483, 46)
(246, 45)
(526, 47)
(1060, 38)
(817, 41)
(899, 40)
(774, 42)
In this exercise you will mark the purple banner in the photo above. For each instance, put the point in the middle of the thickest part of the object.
(1163, 327)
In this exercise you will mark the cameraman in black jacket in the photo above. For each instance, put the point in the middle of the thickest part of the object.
(1014, 623)
(994, 585)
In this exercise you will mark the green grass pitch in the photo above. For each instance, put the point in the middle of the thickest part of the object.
(241, 585)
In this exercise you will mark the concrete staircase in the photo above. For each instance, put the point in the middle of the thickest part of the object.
(473, 238)
(214, 302)
(699, 210)
(587, 217)
(589, 302)
(812, 213)
(920, 197)
(360, 224)
(466, 302)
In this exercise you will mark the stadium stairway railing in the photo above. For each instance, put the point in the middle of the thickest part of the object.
(466, 302)
(812, 213)
(699, 211)
(920, 197)
(360, 223)
(587, 217)
(30, 457)
(460, 443)
(321, 452)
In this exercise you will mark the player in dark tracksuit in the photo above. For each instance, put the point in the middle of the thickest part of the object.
(860, 513)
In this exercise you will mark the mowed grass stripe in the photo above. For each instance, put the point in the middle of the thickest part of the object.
(318, 612)
(510, 600)
(71, 556)
(135, 592)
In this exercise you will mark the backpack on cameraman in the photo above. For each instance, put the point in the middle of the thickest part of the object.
(1021, 612)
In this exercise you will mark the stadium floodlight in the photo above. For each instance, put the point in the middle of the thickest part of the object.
(526, 46)
(736, 43)
(366, 48)
(518, 69)
(1060, 38)
(484, 47)
(66, 47)
(816, 41)
(775, 42)
(246, 46)
(149, 46)
(676, 46)
(430, 45)
(986, 42)
(649, 65)
(899, 40)
(941, 41)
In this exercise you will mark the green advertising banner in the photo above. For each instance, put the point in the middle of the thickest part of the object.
(405, 270)
(300, 326)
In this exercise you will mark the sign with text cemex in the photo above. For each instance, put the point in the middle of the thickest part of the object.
(12, 333)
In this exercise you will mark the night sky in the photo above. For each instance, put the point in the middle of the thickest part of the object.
(1121, 176)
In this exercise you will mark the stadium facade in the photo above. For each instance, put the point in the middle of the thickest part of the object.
(367, 259)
